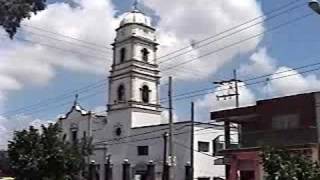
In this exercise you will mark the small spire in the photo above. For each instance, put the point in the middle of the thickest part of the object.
(76, 99)
(135, 5)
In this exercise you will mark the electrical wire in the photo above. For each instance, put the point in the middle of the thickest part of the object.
(58, 48)
(238, 42)
(232, 28)
(69, 37)
(233, 33)
(269, 13)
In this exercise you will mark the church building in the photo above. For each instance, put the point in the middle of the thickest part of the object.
(133, 128)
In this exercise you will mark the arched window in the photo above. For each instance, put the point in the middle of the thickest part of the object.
(145, 54)
(121, 93)
(145, 94)
(122, 55)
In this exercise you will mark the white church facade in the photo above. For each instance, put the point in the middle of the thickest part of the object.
(133, 128)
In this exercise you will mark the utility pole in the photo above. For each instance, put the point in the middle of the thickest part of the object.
(236, 87)
(171, 148)
(237, 101)
(165, 156)
(232, 91)
(192, 141)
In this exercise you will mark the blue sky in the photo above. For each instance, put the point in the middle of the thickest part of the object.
(292, 46)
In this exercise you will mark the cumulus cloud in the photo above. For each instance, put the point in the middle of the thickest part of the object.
(35, 55)
(260, 63)
(286, 81)
(183, 22)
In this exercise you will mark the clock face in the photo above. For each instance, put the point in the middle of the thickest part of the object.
(118, 130)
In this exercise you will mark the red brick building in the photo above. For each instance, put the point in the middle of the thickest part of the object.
(290, 121)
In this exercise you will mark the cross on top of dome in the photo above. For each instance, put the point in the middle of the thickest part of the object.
(135, 5)
(136, 16)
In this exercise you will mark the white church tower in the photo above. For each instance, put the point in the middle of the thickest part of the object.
(134, 79)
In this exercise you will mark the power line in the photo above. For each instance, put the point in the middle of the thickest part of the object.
(42, 29)
(192, 94)
(144, 139)
(278, 26)
(210, 37)
(186, 147)
(203, 40)
(64, 96)
(289, 70)
(59, 48)
(65, 36)
(259, 82)
(46, 106)
(239, 42)
(233, 33)
(69, 42)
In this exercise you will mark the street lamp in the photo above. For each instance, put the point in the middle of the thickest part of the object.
(315, 6)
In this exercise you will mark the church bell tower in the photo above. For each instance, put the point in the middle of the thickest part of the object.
(134, 79)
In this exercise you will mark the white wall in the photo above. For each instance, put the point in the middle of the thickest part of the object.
(203, 162)
(127, 149)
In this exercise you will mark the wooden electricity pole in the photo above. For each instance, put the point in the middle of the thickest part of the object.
(171, 148)
(165, 156)
(192, 141)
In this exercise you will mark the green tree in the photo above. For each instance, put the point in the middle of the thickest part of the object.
(280, 164)
(45, 155)
(12, 12)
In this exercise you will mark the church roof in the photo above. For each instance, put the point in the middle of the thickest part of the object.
(75, 107)
(136, 17)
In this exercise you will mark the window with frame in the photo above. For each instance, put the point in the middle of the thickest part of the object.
(203, 146)
(145, 54)
(121, 93)
(143, 150)
(122, 55)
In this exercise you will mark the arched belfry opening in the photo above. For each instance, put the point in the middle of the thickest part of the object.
(122, 55)
(145, 54)
(121, 93)
(145, 94)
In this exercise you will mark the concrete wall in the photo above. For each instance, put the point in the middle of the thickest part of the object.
(261, 128)
(127, 149)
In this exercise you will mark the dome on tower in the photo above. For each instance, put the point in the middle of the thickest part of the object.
(136, 17)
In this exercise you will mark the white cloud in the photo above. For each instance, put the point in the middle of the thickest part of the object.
(260, 63)
(287, 81)
(24, 63)
(185, 21)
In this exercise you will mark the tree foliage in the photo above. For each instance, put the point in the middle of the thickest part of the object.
(280, 164)
(45, 155)
(12, 12)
